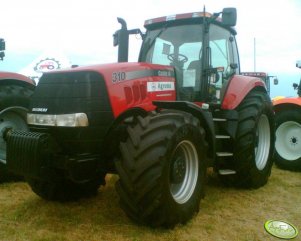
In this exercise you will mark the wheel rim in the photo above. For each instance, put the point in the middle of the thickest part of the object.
(288, 140)
(9, 120)
(262, 147)
(184, 171)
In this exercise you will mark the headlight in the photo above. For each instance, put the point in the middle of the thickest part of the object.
(75, 120)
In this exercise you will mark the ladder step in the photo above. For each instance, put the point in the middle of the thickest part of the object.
(219, 119)
(222, 137)
(226, 172)
(221, 154)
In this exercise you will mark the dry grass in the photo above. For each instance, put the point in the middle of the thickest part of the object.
(225, 214)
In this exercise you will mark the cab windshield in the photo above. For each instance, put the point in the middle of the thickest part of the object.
(181, 46)
(160, 44)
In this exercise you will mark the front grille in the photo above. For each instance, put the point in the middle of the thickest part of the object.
(74, 92)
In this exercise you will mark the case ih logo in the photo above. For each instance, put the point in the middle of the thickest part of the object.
(46, 65)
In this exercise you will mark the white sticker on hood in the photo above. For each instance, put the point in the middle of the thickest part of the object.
(160, 86)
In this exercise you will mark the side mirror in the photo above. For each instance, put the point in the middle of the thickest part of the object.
(295, 86)
(276, 81)
(229, 17)
(2, 48)
(2, 44)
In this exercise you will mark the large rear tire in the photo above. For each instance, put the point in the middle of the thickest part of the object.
(11, 116)
(162, 171)
(254, 142)
(288, 140)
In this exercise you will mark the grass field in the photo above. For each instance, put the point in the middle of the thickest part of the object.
(225, 214)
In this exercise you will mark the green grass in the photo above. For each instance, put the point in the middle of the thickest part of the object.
(225, 214)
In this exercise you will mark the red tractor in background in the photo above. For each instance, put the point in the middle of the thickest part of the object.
(288, 130)
(15, 91)
(158, 123)
(264, 76)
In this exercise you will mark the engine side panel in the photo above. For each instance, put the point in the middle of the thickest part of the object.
(137, 85)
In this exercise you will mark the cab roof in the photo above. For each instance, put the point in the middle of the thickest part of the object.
(177, 17)
(192, 17)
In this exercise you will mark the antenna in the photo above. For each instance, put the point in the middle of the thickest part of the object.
(254, 54)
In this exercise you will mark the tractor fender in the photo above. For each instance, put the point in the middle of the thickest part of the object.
(203, 115)
(10, 77)
(282, 102)
(238, 87)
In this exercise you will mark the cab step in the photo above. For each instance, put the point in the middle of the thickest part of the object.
(219, 119)
(223, 154)
(222, 137)
(226, 172)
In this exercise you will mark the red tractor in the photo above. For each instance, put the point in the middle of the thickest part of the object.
(288, 130)
(15, 90)
(158, 123)
(265, 77)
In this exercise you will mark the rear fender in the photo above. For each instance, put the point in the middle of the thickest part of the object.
(287, 104)
(10, 77)
(294, 101)
(237, 89)
(204, 116)
(22, 111)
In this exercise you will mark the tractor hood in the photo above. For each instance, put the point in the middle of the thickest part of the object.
(118, 72)
(107, 88)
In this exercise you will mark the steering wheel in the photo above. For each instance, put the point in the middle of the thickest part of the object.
(181, 58)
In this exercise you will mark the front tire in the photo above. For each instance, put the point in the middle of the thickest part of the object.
(288, 140)
(11, 98)
(254, 142)
(63, 189)
(162, 173)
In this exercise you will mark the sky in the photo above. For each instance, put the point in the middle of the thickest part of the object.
(267, 33)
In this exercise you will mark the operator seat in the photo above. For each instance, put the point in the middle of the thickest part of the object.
(188, 92)
(196, 64)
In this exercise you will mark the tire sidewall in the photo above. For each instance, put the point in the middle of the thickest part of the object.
(13, 95)
(248, 174)
(266, 171)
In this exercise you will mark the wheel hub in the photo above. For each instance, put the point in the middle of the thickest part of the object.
(184, 170)
(294, 140)
(288, 136)
(262, 142)
(178, 170)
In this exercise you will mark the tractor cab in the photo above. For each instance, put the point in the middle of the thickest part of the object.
(200, 46)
